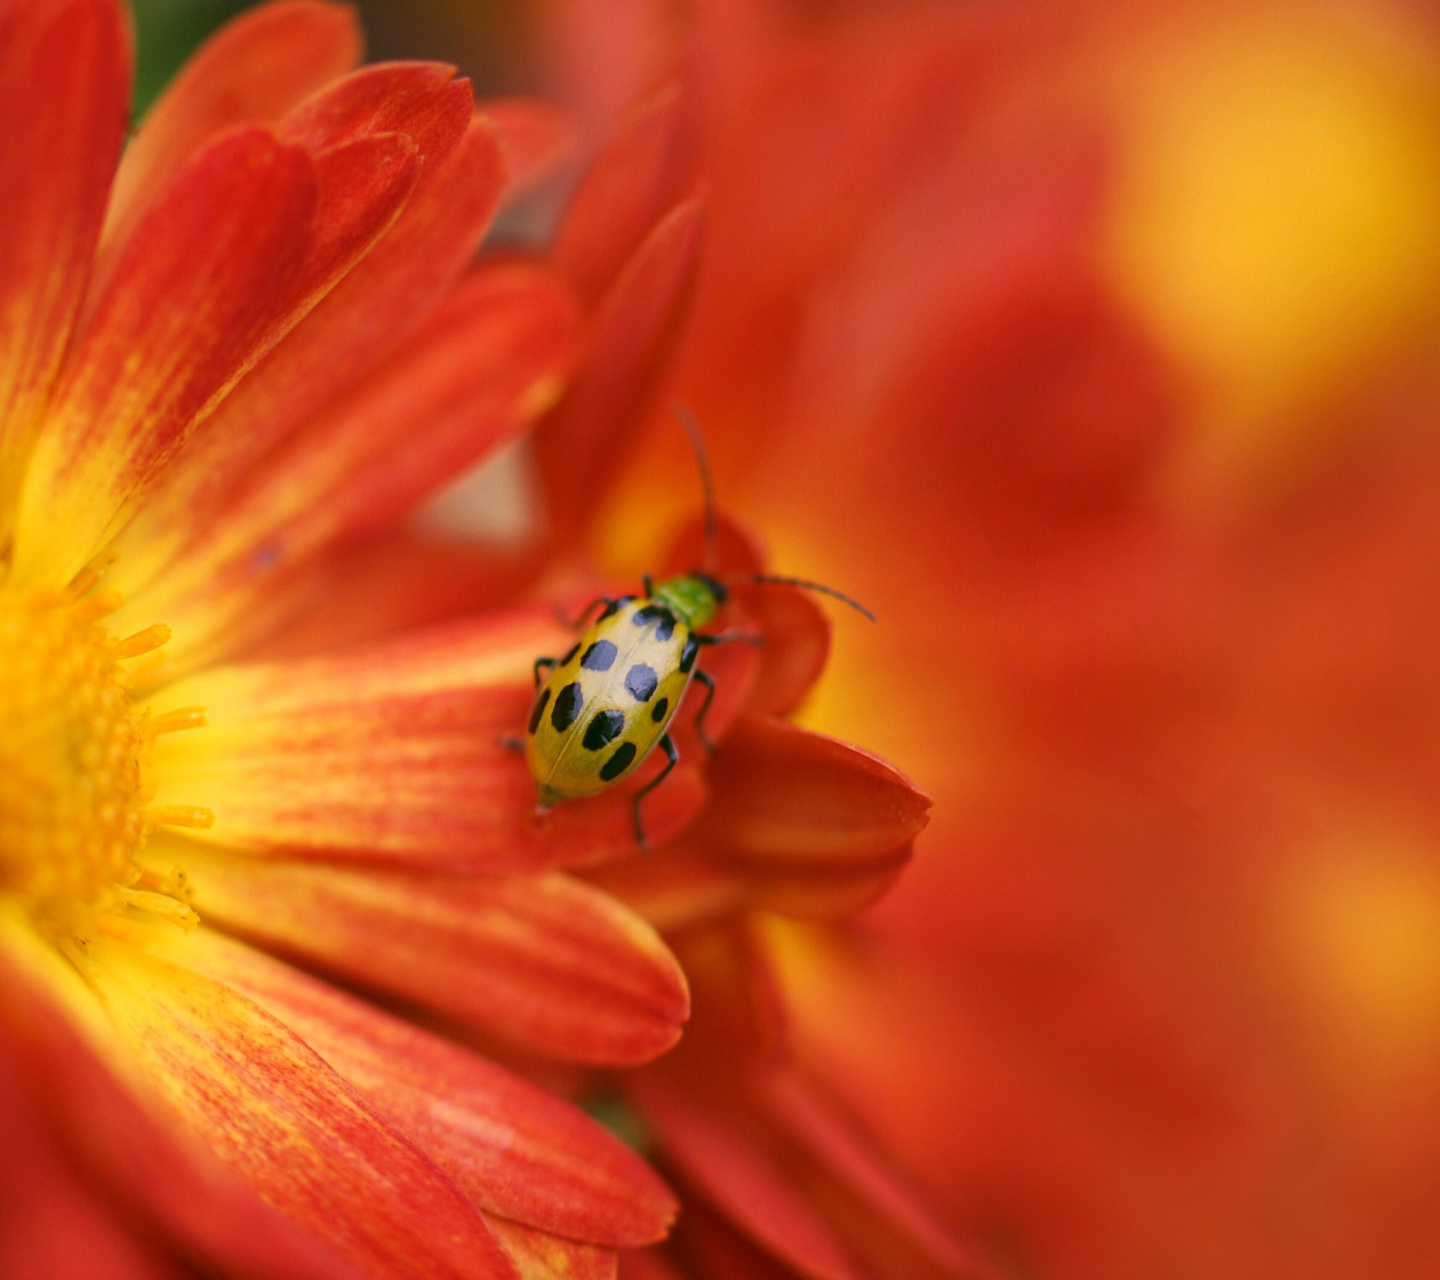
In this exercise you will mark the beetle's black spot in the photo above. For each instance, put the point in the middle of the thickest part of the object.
(619, 762)
(663, 619)
(614, 607)
(565, 660)
(600, 656)
(688, 654)
(539, 708)
(604, 729)
(567, 706)
(641, 681)
(661, 707)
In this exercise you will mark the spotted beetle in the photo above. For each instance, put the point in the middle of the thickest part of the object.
(603, 707)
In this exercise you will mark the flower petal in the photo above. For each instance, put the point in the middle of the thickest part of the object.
(51, 1223)
(515, 1150)
(397, 754)
(545, 962)
(401, 580)
(642, 173)
(544, 1257)
(359, 323)
(469, 381)
(583, 442)
(273, 1110)
(787, 797)
(122, 1137)
(872, 1210)
(741, 1180)
(246, 239)
(536, 138)
(253, 70)
(64, 71)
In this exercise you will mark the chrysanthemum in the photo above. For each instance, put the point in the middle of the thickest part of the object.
(227, 367)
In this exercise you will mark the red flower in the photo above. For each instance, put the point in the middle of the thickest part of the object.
(231, 365)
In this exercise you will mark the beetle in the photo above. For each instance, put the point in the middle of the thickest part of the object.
(606, 704)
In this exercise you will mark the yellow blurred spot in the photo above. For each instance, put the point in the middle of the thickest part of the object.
(1277, 202)
(1365, 924)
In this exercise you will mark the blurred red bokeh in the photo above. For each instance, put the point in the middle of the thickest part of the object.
(1093, 347)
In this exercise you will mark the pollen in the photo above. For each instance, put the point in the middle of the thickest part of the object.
(73, 757)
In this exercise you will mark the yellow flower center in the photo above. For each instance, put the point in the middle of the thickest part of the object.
(73, 760)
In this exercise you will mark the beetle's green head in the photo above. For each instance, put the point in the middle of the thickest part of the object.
(693, 598)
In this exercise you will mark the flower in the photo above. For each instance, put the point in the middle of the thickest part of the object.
(1092, 347)
(270, 880)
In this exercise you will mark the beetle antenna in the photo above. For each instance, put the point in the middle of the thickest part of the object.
(707, 485)
(807, 585)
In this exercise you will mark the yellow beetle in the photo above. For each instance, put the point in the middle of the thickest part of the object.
(609, 702)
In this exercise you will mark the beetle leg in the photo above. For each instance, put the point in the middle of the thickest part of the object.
(547, 663)
(732, 637)
(705, 678)
(672, 759)
(648, 584)
(575, 623)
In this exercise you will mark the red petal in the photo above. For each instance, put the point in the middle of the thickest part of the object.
(874, 1211)
(681, 888)
(790, 798)
(52, 1225)
(389, 293)
(273, 1110)
(545, 962)
(581, 446)
(536, 138)
(64, 86)
(252, 71)
(151, 1168)
(469, 381)
(247, 238)
(397, 754)
(513, 1149)
(401, 580)
(740, 1179)
(421, 100)
(641, 174)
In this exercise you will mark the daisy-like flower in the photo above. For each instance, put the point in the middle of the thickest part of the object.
(244, 801)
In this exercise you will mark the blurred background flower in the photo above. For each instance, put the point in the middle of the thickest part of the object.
(1092, 345)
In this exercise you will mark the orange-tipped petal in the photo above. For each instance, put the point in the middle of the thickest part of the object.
(476, 375)
(546, 962)
(64, 71)
(583, 443)
(270, 1107)
(123, 1138)
(374, 308)
(744, 1183)
(538, 1256)
(790, 798)
(397, 754)
(640, 174)
(536, 138)
(514, 1149)
(253, 70)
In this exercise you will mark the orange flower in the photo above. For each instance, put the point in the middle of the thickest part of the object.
(1092, 346)
(231, 364)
